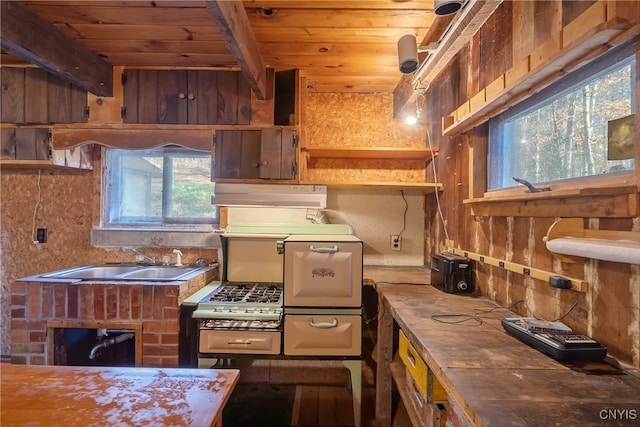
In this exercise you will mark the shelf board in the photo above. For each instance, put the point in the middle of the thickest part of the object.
(393, 153)
(36, 165)
(398, 373)
(423, 187)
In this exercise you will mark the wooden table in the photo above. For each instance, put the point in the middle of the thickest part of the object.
(100, 396)
(491, 378)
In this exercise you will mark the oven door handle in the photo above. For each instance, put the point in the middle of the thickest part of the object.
(332, 250)
(239, 342)
(323, 325)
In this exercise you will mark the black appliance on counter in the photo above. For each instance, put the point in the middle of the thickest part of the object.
(451, 273)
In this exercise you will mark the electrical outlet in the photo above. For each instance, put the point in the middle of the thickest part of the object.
(41, 235)
(395, 242)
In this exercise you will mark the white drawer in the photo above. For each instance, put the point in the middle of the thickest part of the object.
(239, 342)
(322, 335)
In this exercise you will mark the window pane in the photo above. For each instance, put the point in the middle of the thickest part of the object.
(564, 134)
(159, 186)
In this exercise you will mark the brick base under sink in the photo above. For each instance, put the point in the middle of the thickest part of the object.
(154, 308)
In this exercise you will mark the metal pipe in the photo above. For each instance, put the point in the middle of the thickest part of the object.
(109, 342)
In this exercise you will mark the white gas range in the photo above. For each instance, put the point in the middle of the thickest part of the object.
(285, 290)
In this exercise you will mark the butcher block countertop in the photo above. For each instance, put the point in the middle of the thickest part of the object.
(491, 378)
(69, 396)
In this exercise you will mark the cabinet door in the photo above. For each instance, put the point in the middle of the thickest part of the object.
(237, 154)
(277, 154)
(25, 144)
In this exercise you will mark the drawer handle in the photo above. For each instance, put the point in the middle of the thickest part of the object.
(411, 359)
(239, 342)
(323, 325)
(332, 250)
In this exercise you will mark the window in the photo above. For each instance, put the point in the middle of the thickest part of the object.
(162, 186)
(562, 131)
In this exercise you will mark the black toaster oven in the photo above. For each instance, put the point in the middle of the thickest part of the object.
(451, 273)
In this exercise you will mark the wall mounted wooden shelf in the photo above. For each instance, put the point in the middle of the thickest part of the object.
(395, 153)
(354, 185)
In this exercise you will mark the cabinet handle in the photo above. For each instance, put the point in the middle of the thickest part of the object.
(181, 95)
(332, 250)
(192, 96)
(323, 325)
(239, 342)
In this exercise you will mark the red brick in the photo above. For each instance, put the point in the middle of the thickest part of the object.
(86, 302)
(18, 299)
(169, 362)
(98, 302)
(72, 301)
(36, 300)
(17, 313)
(136, 309)
(37, 336)
(46, 306)
(147, 302)
(18, 360)
(124, 302)
(148, 338)
(60, 300)
(19, 287)
(169, 339)
(151, 361)
(170, 313)
(159, 350)
(158, 301)
(19, 337)
(112, 301)
(162, 327)
(37, 360)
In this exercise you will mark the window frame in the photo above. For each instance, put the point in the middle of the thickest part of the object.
(568, 185)
(171, 225)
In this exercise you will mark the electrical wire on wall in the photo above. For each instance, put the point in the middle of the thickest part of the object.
(435, 179)
(404, 214)
(35, 212)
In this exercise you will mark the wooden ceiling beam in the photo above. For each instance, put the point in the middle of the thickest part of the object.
(32, 38)
(465, 24)
(233, 22)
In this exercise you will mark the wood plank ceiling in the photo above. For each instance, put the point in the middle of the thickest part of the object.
(339, 46)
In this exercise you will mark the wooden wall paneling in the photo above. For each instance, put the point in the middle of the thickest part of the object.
(227, 97)
(500, 243)
(147, 96)
(522, 32)
(32, 144)
(203, 109)
(499, 43)
(36, 106)
(250, 165)
(548, 20)
(572, 9)
(613, 296)
(172, 96)
(288, 156)
(244, 101)
(262, 111)
(107, 109)
(7, 143)
(59, 100)
(79, 101)
(12, 102)
(130, 96)
(270, 153)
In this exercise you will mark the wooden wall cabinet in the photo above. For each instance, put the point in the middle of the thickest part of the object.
(31, 95)
(268, 154)
(186, 97)
(30, 148)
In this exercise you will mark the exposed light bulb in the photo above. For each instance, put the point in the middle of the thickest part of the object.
(411, 120)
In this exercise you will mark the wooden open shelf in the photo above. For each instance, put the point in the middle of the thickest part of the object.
(393, 153)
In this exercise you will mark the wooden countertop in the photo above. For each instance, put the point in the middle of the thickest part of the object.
(496, 379)
(82, 396)
(396, 274)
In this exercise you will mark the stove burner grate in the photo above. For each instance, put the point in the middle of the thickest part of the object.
(257, 293)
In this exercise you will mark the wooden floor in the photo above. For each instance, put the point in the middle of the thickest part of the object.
(329, 406)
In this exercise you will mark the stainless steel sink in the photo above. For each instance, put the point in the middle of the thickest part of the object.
(121, 272)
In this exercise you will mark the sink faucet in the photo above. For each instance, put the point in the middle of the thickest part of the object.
(179, 254)
(152, 259)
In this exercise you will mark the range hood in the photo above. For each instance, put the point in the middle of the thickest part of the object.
(272, 195)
